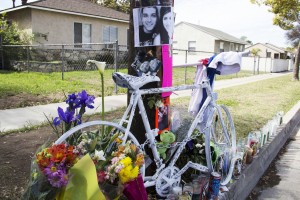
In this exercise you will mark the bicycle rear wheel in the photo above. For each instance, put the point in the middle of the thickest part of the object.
(223, 138)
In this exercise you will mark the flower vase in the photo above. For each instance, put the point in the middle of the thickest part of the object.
(110, 191)
(135, 189)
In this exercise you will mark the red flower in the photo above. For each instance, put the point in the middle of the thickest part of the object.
(101, 176)
(58, 153)
(42, 160)
(204, 61)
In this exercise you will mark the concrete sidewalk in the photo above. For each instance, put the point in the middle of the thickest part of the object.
(12, 119)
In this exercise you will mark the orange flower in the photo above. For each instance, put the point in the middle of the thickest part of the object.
(133, 147)
(139, 159)
(42, 160)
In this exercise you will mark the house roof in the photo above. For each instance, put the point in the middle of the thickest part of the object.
(78, 7)
(216, 33)
(268, 46)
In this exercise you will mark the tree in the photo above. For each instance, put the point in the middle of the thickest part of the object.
(244, 38)
(255, 53)
(119, 5)
(12, 34)
(286, 17)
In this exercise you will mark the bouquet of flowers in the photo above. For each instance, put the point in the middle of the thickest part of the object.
(118, 168)
(95, 158)
(55, 161)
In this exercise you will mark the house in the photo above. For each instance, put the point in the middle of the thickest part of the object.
(70, 21)
(204, 39)
(268, 50)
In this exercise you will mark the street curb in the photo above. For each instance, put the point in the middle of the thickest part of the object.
(240, 189)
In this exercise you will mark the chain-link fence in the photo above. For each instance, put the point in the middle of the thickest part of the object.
(182, 56)
(62, 57)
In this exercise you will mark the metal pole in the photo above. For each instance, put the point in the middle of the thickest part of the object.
(62, 61)
(27, 55)
(116, 63)
(185, 68)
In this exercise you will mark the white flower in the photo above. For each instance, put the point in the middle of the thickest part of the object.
(198, 145)
(99, 155)
(100, 65)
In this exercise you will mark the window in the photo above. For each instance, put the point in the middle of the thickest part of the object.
(231, 47)
(241, 48)
(221, 46)
(276, 56)
(192, 46)
(175, 47)
(82, 34)
(268, 54)
(236, 47)
(110, 34)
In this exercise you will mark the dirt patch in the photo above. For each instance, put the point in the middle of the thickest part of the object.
(24, 99)
(17, 151)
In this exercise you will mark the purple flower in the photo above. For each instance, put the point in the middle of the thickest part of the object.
(58, 178)
(85, 100)
(72, 100)
(67, 116)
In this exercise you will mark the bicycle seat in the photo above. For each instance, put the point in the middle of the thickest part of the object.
(133, 82)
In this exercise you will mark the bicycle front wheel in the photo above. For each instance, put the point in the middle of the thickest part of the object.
(102, 136)
(223, 138)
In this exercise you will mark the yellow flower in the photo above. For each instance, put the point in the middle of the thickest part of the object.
(128, 173)
(126, 161)
(118, 140)
(134, 172)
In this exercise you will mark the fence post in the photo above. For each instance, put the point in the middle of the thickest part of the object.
(62, 61)
(27, 58)
(254, 65)
(258, 64)
(2, 57)
(186, 52)
(116, 63)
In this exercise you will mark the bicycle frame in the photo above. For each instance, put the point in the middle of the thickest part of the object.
(136, 100)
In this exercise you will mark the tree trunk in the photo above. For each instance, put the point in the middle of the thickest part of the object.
(296, 64)
(24, 2)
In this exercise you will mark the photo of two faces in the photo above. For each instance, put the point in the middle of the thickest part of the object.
(153, 25)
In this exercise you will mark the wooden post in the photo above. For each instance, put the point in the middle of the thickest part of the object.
(137, 127)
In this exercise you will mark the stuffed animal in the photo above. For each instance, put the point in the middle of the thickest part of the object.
(166, 138)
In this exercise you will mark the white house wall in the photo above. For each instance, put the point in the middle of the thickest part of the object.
(265, 64)
(263, 50)
(183, 34)
(59, 27)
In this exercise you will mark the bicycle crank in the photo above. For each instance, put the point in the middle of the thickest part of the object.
(165, 181)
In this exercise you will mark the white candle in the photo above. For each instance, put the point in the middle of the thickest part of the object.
(177, 190)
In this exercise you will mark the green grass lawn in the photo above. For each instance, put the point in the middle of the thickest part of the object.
(252, 105)
(36, 83)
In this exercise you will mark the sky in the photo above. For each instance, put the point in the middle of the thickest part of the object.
(235, 17)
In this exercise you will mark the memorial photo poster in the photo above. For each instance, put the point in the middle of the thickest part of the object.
(145, 3)
(163, 115)
(153, 25)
